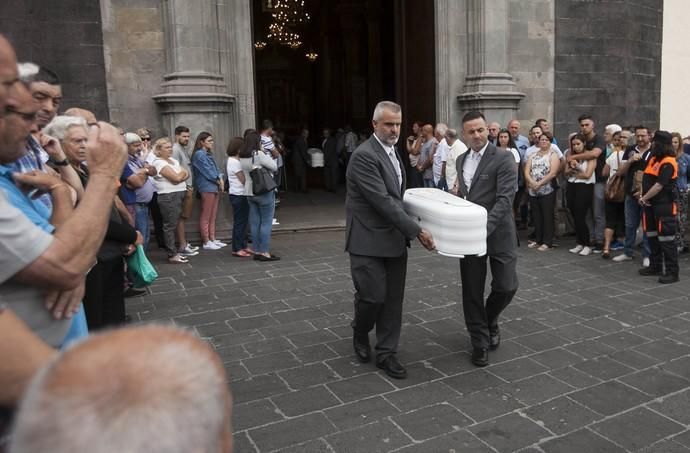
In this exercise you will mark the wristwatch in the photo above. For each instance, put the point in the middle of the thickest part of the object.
(59, 163)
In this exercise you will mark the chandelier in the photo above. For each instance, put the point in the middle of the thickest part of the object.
(287, 16)
(290, 12)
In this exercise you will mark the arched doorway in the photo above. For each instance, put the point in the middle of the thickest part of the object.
(368, 50)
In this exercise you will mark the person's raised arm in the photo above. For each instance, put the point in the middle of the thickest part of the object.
(76, 241)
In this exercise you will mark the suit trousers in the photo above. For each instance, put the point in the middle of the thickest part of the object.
(481, 319)
(380, 289)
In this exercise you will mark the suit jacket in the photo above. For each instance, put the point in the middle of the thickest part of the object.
(377, 224)
(330, 152)
(300, 156)
(493, 187)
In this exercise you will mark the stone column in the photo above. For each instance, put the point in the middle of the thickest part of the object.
(194, 91)
(201, 66)
(488, 85)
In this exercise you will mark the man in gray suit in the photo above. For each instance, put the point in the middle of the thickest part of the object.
(377, 236)
(487, 177)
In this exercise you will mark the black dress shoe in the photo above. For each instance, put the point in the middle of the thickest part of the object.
(132, 292)
(259, 257)
(647, 271)
(362, 348)
(494, 340)
(392, 367)
(668, 278)
(480, 356)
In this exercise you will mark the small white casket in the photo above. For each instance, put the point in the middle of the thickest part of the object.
(316, 157)
(457, 225)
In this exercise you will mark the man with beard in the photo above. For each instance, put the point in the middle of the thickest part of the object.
(378, 233)
(180, 153)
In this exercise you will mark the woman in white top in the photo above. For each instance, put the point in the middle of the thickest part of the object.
(540, 170)
(240, 207)
(579, 193)
(261, 207)
(171, 187)
(615, 211)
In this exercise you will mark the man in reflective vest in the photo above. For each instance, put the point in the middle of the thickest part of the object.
(660, 202)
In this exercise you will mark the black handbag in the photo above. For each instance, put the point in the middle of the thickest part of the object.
(262, 180)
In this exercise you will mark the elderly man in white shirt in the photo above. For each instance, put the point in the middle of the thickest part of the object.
(455, 149)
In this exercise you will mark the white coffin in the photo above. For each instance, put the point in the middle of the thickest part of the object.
(316, 157)
(457, 225)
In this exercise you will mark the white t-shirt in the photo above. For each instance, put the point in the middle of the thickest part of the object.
(234, 167)
(582, 167)
(454, 152)
(613, 162)
(163, 185)
(440, 156)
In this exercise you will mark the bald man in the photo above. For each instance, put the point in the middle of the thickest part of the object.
(150, 389)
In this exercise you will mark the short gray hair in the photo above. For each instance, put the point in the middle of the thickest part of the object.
(441, 129)
(150, 389)
(452, 133)
(131, 137)
(385, 105)
(59, 126)
(611, 128)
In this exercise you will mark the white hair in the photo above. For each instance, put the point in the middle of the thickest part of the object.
(27, 71)
(441, 129)
(131, 137)
(165, 392)
(385, 105)
(613, 128)
(59, 126)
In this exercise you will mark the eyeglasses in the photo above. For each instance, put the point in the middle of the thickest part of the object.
(145, 139)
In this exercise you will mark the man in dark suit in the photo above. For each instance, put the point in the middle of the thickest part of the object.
(487, 177)
(331, 171)
(377, 236)
(300, 161)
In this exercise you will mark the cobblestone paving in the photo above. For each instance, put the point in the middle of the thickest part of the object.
(594, 358)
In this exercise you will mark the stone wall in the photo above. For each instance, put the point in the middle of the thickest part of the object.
(135, 57)
(608, 62)
(66, 37)
(531, 57)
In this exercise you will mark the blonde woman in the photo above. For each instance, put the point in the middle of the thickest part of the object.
(170, 185)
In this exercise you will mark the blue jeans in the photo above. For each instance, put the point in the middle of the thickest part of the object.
(141, 221)
(261, 209)
(240, 217)
(633, 215)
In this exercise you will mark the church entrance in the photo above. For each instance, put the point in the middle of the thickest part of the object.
(325, 64)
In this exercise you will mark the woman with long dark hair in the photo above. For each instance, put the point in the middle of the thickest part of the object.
(208, 182)
(579, 193)
(261, 206)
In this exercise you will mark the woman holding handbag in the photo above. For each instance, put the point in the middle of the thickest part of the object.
(615, 193)
(208, 182)
(257, 166)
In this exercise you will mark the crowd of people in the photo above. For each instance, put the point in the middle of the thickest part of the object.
(601, 188)
(75, 196)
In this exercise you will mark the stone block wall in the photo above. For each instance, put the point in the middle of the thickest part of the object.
(66, 37)
(608, 63)
(531, 56)
(134, 52)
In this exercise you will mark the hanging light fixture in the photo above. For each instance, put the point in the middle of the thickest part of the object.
(311, 56)
(260, 45)
(290, 12)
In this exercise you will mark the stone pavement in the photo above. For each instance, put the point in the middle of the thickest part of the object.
(593, 359)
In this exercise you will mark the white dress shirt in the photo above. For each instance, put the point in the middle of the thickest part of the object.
(471, 163)
(390, 151)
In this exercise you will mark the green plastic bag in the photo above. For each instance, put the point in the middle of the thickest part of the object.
(141, 268)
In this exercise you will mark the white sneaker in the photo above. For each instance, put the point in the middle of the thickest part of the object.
(275, 222)
(622, 257)
(585, 251)
(211, 246)
(219, 243)
(189, 248)
(577, 249)
(645, 262)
